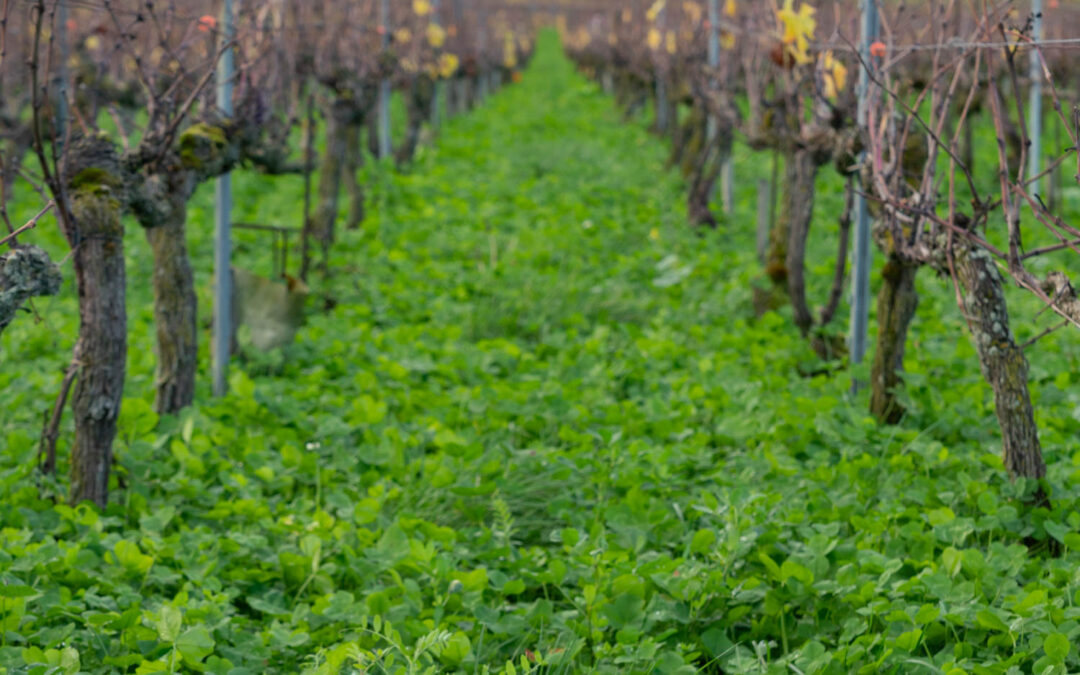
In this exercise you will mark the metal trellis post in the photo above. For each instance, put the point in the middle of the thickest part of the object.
(62, 73)
(459, 83)
(481, 77)
(384, 86)
(222, 225)
(860, 278)
(661, 83)
(1035, 117)
(727, 169)
(714, 58)
(440, 84)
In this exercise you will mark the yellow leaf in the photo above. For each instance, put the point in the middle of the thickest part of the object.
(671, 43)
(654, 39)
(692, 11)
(834, 75)
(448, 65)
(436, 36)
(654, 234)
(655, 10)
(421, 7)
(798, 29)
(727, 40)
(510, 51)
(729, 8)
(403, 35)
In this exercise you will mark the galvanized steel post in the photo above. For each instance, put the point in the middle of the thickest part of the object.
(440, 84)
(1035, 116)
(384, 86)
(860, 278)
(223, 328)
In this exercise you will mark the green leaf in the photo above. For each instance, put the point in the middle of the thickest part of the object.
(703, 542)
(477, 580)
(716, 642)
(393, 546)
(63, 661)
(69, 660)
(513, 587)
(927, 614)
(770, 565)
(952, 559)
(909, 640)
(791, 569)
(987, 619)
(1057, 647)
(195, 644)
(1056, 530)
(627, 610)
(168, 623)
(941, 516)
(366, 410)
(187, 431)
(16, 591)
(131, 558)
(457, 649)
(570, 536)
(987, 503)
(445, 438)
(137, 418)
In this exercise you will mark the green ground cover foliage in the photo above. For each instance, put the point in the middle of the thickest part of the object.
(539, 433)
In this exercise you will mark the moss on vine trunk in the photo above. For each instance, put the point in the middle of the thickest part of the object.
(96, 235)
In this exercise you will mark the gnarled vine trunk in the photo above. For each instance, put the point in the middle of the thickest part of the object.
(354, 160)
(175, 311)
(96, 236)
(372, 123)
(418, 105)
(787, 238)
(330, 172)
(704, 171)
(1002, 361)
(465, 95)
(896, 304)
(689, 138)
(795, 217)
(159, 203)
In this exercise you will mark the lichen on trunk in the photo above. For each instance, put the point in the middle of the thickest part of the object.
(25, 272)
(1001, 359)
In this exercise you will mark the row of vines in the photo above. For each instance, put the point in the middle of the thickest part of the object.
(108, 109)
(941, 78)
(114, 101)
